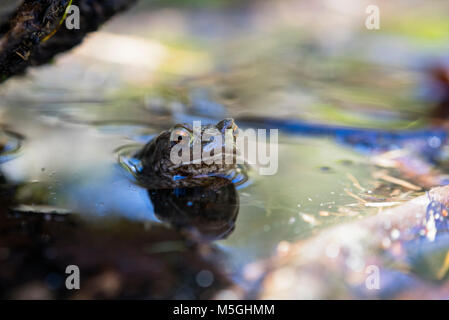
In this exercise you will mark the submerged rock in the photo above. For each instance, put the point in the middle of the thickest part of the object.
(378, 257)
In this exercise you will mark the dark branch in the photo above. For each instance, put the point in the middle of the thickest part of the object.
(33, 35)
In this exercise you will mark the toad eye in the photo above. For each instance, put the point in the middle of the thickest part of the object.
(180, 135)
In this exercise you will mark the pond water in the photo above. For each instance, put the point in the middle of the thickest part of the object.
(72, 126)
(65, 164)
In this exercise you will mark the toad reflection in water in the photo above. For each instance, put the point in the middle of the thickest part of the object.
(200, 199)
(202, 212)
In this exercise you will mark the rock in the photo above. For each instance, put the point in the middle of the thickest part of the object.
(343, 261)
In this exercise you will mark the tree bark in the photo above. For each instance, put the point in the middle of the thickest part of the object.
(35, 32)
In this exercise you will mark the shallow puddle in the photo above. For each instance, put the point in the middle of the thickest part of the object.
(70, 131)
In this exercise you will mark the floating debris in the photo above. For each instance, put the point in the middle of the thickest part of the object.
(310, 219)
(400, 182)
(381, 204)
(349, 193)
(355, 182)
